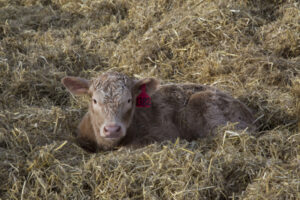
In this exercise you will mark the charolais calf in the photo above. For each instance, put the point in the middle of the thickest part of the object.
(126, 111)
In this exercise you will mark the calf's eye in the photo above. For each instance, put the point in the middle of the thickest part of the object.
(95, 101)
(129, 100)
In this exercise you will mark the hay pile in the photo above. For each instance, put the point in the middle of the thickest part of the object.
(249, 48)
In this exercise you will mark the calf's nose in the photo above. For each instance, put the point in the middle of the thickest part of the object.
(112, 131)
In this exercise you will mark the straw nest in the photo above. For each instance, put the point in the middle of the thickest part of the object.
(250, 49)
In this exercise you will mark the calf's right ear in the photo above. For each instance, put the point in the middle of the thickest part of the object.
(150, 83)
(76, 85)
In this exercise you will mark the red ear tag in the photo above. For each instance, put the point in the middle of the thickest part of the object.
(143, 100)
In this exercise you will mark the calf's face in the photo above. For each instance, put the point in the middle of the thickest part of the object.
(112, 102)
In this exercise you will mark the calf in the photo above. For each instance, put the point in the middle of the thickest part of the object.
(187, 111)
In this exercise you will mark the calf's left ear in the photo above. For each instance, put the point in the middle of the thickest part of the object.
(150, 83)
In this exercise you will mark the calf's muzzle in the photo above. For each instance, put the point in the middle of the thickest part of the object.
(112, 131)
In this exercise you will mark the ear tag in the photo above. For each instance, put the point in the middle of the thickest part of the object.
(143, 100)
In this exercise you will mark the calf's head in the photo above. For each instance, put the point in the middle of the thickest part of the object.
(112, 102)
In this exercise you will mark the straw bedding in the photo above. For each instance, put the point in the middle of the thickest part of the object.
(250, 49)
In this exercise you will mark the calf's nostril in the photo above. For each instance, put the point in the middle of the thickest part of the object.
(105, 129)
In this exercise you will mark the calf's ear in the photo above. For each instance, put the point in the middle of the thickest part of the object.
(76, 85)
(150, 83)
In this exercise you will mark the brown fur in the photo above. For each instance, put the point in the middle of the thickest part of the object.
(187, 111)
